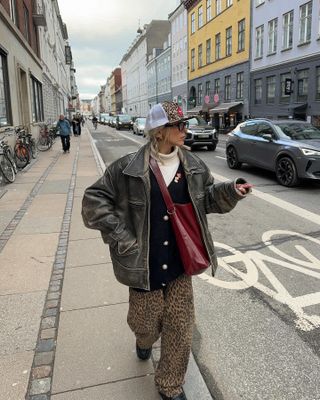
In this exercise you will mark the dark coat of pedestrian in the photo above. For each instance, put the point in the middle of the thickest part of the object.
(63, 126)
(127, 206)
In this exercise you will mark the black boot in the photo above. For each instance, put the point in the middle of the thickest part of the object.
(143, 354)
(180, 396)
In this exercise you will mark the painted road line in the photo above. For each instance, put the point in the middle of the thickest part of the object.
(300, 212)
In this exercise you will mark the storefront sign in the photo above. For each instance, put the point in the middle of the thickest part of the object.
(207, 99)
(288, 86)
(216, 98)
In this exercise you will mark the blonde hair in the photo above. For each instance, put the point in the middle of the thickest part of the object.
(154, 140)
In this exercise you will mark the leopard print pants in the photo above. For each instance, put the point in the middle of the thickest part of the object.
(168, 313)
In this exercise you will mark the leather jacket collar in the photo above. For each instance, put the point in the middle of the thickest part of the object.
(139, 164)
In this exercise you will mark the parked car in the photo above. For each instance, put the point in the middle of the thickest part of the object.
(139, 125)
(113, 121)
(289, 148)
(123, 122)
(199, 133)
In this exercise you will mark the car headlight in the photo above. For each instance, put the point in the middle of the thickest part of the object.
(310, 152)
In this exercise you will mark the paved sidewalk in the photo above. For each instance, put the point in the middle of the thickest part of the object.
(63, 331)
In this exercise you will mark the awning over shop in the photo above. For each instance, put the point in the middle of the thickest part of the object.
(204, 108)
(298, 107)
(194, 110)
(224, 107)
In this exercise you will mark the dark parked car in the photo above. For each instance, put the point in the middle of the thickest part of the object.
(200, 134)
(289, 148)
(139, 125)
(124, 122)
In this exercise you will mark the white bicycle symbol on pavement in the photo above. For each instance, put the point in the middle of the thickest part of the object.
(255, 261)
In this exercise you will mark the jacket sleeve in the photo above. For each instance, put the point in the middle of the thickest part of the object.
(220, 197)
(99, 211)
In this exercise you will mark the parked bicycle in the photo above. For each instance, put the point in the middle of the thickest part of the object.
(22, 151)
(8, 166)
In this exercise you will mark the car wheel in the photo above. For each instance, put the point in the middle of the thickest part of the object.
(286, 172)
(232, 158)
(212, 147)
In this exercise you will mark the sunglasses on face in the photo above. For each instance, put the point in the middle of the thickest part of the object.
(180, 125)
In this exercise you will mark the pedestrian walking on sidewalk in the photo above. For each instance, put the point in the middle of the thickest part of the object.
(127, 206)
(63, 126)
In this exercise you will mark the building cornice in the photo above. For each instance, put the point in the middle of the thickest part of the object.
(18, 35)
(189, 4)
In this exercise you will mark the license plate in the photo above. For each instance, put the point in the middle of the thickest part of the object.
(203, 136)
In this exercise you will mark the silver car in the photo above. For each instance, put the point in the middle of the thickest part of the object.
(289, 148)
(138, 126)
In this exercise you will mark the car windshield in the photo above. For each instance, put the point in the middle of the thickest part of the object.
(141, 121)
(197, 121)
(297, 131)
(124, 118)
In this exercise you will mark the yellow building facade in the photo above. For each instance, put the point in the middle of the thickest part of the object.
(218, 55)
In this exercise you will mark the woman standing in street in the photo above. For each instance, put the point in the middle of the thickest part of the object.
(127, 206)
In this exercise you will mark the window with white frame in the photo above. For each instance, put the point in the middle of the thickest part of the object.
(217, 86)
(208, 51)
(193, 53)
(258, 2)
(305, 22)
(218, 7)
(241, 34)
(240, 85)
(209, 10)
(259, 41)
(200, 17)
(193, 23)
(229, 3)
(5, 109)
(200, 56)
(208, 88)
(227, 87)
(37, 101)
(287, 38)
(272, 36)
(229, 41)
(218, 46)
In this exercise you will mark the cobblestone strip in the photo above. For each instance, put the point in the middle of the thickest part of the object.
(9, 230)
(40, 380)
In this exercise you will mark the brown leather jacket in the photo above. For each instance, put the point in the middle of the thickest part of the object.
(118, 205)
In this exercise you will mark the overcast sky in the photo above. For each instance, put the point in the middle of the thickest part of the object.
(101, 31)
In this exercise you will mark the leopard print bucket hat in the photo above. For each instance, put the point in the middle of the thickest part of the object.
(168, 112)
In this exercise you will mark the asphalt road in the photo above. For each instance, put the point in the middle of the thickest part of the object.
(257, 332)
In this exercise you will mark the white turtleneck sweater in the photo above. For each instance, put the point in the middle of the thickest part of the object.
(169, 164)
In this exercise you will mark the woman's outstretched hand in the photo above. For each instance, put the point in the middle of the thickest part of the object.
(244, 188)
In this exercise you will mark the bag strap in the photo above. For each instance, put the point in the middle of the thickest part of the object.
(163, 187)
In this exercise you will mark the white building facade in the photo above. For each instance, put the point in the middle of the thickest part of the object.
(179, 56)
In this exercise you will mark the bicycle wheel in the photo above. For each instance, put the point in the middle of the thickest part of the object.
(22, 155)
(9, 155)
(33, 148)
(44, 143)
(7, 169)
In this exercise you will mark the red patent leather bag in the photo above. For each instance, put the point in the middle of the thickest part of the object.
(186, 228)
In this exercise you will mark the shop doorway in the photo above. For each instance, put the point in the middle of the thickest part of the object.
(24, 98)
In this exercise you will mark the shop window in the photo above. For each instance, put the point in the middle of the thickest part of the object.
(5, 103)
(258, 91)
(227, 88)
(318, 83)
(284, 98)
(271, 89)
(37, 100)
(303, 83)
(240, 85)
